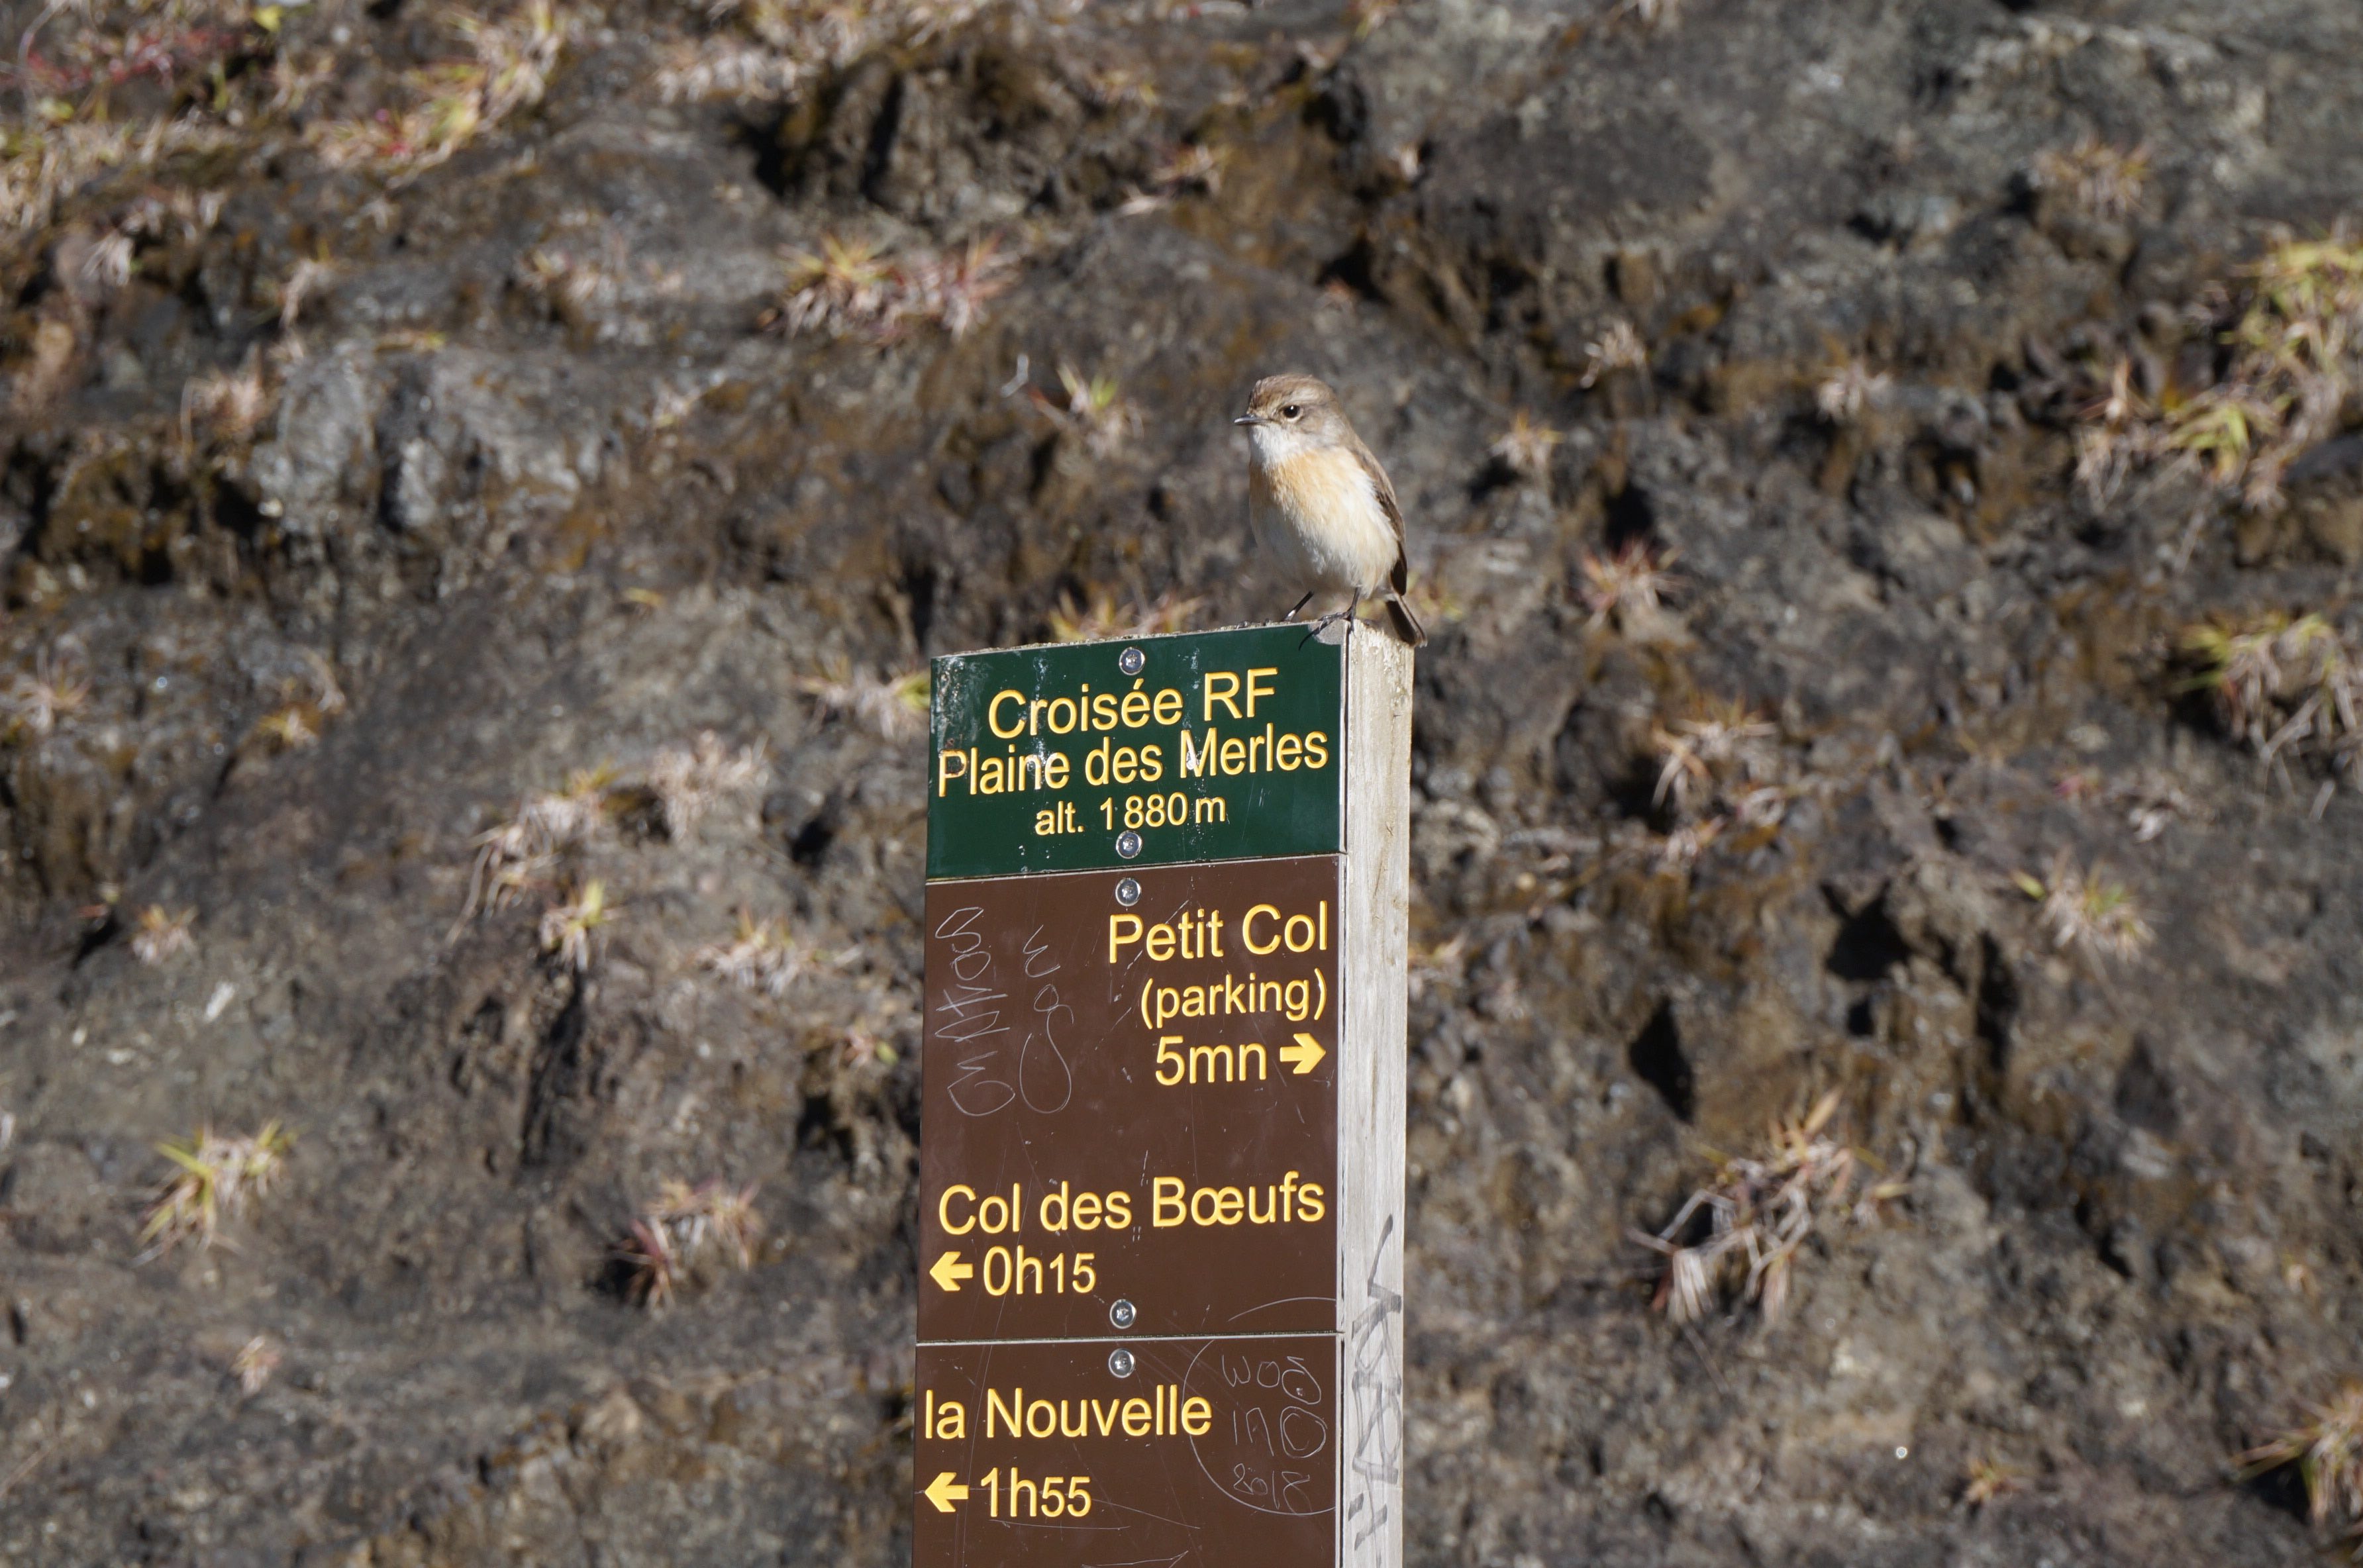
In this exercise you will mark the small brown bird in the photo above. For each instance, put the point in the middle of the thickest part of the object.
(1321, 505)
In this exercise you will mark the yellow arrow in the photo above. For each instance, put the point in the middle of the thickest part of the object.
(950, 1271)
(943, 1491)
(1304, 1056)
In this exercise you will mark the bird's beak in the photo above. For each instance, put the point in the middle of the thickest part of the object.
(1250, 419)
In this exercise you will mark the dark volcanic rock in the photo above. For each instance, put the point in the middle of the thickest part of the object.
(536, 474)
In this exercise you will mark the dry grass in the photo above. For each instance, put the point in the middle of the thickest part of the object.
(291, 728)
(2327, 1449)
(763, 957)
(215, 1178)
(40, 166)
(2285, 685)
(1759, 1213)
(571, 930)
(1617, 348)
(225, 409)
(505, 67)
(2087, 910)
(1094, 410)
(1718, 758)
(1990, 1480)
(2290, 336)
(1099, 617)
(1630, 586)
(1525, 448)
(2104, 181)
(532, 849)
(71, 133)
(163, 934)
(521, 852)
(688, 782)
(893, 707)
(33, 705)
(688, 1233)
(770, 49)
(252, 1365)
(1851, 387)
(852, 288)
(2151, 801)
(227, 80)
(1178, 172)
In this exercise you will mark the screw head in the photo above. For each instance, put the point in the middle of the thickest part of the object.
(1128, 892)
(1128, 844)
(1130, 660)
(1120, 1361)
(1122, 1314)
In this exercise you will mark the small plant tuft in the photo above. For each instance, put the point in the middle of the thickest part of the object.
(689, 783)
(1759, 1212)
(570, 929)
(252, 1365)
(1525, 448)
(2087, 910)
(892, 706)
(1100, 617)
(1990, 1480)
(1721, 751)
(1849, 388)
(688, 1233)
(33, 705)
(2104, 181)
(763, 956)
(215, 1177)
(2285, 685)
(1629, 586)
(2327, 1449)
(851, 287)
(163, 934)
(1619, 347)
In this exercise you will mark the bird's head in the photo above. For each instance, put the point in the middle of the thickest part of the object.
(1294, 413)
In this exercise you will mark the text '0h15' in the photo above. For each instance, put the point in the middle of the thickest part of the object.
(1129, 1087)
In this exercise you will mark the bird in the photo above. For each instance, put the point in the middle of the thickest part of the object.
(1320, 505)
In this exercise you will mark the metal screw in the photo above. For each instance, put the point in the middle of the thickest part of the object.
(1128, 892)
(1123, 1313)
(1128, 844)
(1120, 1361)
(1129, 661)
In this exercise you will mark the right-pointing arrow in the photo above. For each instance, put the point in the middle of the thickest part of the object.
(943, 1491)
(1304, 1056)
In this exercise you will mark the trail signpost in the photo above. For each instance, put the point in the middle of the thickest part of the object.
(1161, 1228)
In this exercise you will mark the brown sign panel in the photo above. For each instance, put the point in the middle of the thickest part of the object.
(1206, 1453)
(1129, 1102)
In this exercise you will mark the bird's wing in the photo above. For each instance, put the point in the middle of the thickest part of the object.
(1384, 489)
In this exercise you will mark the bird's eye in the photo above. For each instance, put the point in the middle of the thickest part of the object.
(1290, 410)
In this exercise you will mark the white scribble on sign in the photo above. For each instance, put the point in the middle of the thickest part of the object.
(1374, 1405)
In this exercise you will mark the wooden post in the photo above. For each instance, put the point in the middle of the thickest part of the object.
(1161, 1151)
(1371, 1093)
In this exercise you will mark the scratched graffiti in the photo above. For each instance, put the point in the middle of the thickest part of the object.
(1374, 1400)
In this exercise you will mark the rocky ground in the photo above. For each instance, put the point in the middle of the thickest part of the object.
(1888, 490)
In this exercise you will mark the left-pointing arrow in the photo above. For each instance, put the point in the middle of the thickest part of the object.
(943, 1491)
(950, 1271)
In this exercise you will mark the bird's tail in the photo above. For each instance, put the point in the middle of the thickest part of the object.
(1405, 623)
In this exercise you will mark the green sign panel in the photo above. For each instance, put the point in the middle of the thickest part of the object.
(1145, 752)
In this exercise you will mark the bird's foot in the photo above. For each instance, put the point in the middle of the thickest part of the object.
(1331, 619)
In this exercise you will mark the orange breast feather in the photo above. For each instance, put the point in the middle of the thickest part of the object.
(1322, 487)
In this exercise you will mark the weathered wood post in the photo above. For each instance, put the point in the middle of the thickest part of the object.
(1161, 1151)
